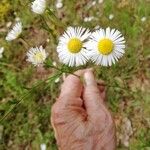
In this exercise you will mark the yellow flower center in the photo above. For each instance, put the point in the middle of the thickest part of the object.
(105, 46)
(75, 45)
(38, 57)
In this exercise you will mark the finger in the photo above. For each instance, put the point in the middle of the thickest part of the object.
(92, 97)
(102, 89)
(101, 84)
(72, 86)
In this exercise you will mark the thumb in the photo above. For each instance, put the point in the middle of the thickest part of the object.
(92, 98)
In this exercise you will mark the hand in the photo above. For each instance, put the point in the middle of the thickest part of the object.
(80, 119)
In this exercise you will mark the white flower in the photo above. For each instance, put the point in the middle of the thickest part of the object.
(15, 32)
(54, 63)
(57, 80)
(71, 48)
(17, 19)
(97, 27)
(1, 52)
(143, 19)
(48, 40)
(59, 4)
(43, 146)
(111, 16)
(38, 6)
(106, 47)
(94, 3)
(36, 55)
(100, 1)
(8, 24)
(88, 19)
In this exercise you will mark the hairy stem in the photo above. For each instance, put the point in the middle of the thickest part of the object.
(64, 71)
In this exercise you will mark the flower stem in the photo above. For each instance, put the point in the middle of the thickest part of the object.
(9, 66)
(25, 43)
(64, 71)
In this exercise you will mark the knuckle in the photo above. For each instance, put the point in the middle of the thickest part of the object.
(55, 109)
(92, 92)
(93, 89)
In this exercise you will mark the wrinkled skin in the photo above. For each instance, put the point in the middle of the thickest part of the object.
(80, 119)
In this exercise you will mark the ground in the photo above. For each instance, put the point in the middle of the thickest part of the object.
(25, 102)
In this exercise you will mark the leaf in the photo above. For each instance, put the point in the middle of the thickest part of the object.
(48, 63)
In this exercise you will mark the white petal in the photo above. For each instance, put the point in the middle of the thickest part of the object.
(15, 32)
(65, 56)
(118, 51)
(38, 6)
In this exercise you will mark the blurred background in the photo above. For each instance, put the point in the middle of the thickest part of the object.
(25, 103)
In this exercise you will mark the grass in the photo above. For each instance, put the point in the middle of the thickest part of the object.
(28, 124)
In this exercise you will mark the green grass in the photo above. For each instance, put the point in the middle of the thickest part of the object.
(28, 124)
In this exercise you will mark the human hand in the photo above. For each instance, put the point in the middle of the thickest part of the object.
(80, 118)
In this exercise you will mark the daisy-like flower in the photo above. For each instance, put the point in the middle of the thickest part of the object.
(36, 55)
(111, 16)
(100, 1)
(54, 63)
(143, 19)
(106, 46)
(14, 32)
(94, 3)
(88, 19)
(71, 48)
(1, 52)
(38, 6)
(57, 80)
(59, 4)
(43, 146)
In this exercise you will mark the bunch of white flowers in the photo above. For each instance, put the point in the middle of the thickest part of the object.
(77, 45)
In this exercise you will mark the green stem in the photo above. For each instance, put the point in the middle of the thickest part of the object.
(48, 29)
(55, 19)
(25, 43)
(9, 65)
(20, 100)
(64, 71)
(8, 112)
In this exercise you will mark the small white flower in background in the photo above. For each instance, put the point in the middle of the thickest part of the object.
(47, 40)
(59, 4)
(8, 24)
(97, 27)
(43, 146)
(36, 55)
(71, 48)
(57, 80)
(17, 19)
(106, 46)
(94, 3)
(100, 1)
(1, 51)
(15, 13)
(88, 19)
(15, 32)
(54, 63)
(111, 16)
(143, 19)
(38, 6)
